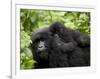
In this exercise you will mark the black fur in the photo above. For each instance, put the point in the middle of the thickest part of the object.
(60, 47)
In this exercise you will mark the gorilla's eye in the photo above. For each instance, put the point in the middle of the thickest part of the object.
(36, 41)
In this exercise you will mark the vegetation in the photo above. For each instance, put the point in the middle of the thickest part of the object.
(31, 20)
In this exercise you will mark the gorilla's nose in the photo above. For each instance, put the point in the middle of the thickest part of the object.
(41, 48)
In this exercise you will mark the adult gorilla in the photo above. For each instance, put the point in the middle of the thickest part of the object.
(58, 46)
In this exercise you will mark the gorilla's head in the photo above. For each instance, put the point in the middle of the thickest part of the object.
(40, 43)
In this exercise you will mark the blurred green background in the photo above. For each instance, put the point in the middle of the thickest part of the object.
(31, 20)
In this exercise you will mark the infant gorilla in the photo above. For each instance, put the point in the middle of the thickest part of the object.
(58, 46)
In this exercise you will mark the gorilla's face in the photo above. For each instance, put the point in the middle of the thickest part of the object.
(40, 44)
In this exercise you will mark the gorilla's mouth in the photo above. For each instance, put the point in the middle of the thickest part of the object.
(41, 50)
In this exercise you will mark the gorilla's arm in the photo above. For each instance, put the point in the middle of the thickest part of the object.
(70, 35)
(81, 39)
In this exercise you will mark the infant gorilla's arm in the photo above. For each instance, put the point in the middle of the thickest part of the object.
(70, 35)
(62, 46)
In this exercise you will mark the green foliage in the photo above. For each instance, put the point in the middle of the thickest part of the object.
(31, 20)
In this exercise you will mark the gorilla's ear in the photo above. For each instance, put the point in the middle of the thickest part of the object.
(56, 27)
(31, 43)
